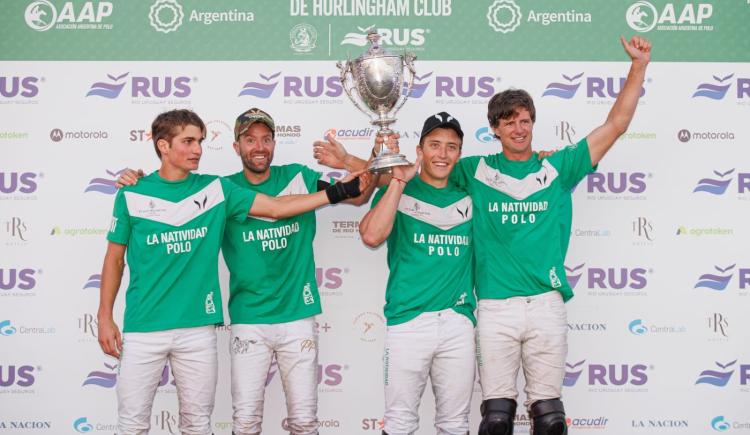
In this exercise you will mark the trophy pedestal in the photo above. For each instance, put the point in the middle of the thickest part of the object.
(384, 162)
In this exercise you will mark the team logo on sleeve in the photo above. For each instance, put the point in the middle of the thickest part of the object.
(554, 281)
(113, 225)
(210, 307)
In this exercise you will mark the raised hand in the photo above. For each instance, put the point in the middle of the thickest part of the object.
(391, 141)
(129, 177)
(330, 152)
(639, 49)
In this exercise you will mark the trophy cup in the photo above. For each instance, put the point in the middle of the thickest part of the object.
(378, 77)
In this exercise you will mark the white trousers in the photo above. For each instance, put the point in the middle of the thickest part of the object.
(439, 345)
(530, 330)
(191, 353)
(295, 345)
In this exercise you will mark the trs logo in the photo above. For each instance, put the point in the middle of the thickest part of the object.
(14, 86)
(330, 278)
(606, 374)
(720, 378)
(718, 89)
(22, 182)
(399, 37)
(104, 185)
(615, 278)
(142, 87)
(616, 182)
(718, 186)
(719, 281)
(21, 376)
(596, 87)
(21, 279)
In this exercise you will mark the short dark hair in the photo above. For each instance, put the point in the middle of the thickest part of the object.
(165, 125)
(504, 105)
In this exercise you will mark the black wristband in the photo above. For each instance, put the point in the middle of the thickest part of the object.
(340, 191)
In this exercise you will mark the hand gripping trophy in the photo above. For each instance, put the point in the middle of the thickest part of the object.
(378, 77)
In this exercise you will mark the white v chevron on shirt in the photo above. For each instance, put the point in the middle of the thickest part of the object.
(513, 187)
(175, 213)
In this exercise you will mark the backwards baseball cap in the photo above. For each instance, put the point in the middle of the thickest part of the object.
(249, 118)
(441, 120)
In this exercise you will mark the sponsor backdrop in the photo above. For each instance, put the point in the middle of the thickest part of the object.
(658, 259)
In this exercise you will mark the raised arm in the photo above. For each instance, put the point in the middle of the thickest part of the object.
(377, 224)
(109, 335)
(603, 137)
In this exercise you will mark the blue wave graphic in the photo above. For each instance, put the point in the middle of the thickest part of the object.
(259, 90)
(715, 282)
(417, 89)
(95, 281)
(708, 90)
(106, 90)
(715, 187)
(101, 379)
(561, 90)
(101, 185)
(714, 378)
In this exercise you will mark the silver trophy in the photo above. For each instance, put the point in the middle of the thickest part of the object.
(378, 77)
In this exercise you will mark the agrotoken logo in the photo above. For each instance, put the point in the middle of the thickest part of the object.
(166, 15)
(504, 16)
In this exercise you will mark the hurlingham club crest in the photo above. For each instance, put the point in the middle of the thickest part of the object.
(303, 37)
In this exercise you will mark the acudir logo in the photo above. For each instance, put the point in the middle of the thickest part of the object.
(20, 86)
(143, 87)
(612, 374)
(719, 185)
(719, 88)
(642, 16)
(597, 87)
(104, 185)
(720, 376)
(42, 15)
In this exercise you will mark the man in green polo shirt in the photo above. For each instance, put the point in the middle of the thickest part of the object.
(171, 225)
(520, 222)
(430, 302)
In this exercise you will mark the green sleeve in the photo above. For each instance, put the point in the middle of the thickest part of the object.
(379, 194)
(312, 177)
(461, 173)
(573, 163)
(119, 229)
(237, 200)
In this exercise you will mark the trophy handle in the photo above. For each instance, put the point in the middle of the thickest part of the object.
(409, 63)
(344, 70)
